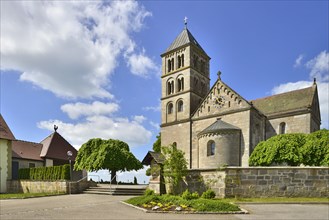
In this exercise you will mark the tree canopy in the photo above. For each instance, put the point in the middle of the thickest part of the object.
(157, 144)
(293, 149)
(114, 155)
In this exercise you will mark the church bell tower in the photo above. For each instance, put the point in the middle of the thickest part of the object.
(185, 83)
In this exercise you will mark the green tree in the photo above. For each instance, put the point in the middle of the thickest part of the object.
(316, 149)
(114, 155)
(157, 144)
(279, 149)
(175, 166)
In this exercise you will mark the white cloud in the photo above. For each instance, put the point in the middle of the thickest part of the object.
(298, 61)
(104, 127)
(75, 110)
(139, 119)
(69, 48)
(319, 66)
(155, 125)
(153, 108)
(141, 65)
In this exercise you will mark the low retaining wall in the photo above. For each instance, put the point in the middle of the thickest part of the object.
(260, 181)
(26, 186)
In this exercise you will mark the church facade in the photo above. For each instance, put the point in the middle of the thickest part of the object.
(215, 126)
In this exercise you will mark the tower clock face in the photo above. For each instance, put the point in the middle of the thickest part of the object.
(218, 101)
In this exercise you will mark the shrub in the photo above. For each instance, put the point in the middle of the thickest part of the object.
(149, 192)
(209, 194)
(189, 196)
(45, 173)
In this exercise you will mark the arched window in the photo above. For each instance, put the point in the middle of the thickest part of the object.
(282, 129)
(211, 148)
(180, 106)
(174, 146)
(179, 62)
(182, 60)
(169, 66)
(170, 86)
(180, 84)
(172, 64)
(170, 108)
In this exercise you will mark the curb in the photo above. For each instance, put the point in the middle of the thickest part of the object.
(243, 211)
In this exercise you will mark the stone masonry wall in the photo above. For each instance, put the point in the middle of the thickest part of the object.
(25, 186)
(261, 181)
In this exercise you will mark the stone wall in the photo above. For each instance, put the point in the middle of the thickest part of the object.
(26, 186)
(260, 181)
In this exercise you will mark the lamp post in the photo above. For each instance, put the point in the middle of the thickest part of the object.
(69, 154)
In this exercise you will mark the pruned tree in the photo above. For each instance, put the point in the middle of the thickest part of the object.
(113, 155)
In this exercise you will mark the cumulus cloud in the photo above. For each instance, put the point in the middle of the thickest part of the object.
(298, 61)
(319, 69)
(153, 108)
(76, 110)
(99, 126)
(319, 66)
(141, 65)
(155, 125)
(139, 119)
(70, 48)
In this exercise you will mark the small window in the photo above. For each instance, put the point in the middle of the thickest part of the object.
(169, 66)
(180, 106)
(31, 165)
(282, 129)
(211, 148)
(170, 108)
(182, 60)
(172, 64)
(180, 84)
(174, 145)
(170, 87)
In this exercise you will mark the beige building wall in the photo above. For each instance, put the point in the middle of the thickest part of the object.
(26, 163)
(178, 133)
(301, 123)
(5, 164)
(239, 119)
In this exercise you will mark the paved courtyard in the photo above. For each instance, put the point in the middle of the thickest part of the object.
(89, 206)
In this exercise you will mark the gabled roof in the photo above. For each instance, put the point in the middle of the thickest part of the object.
(219, 126)
(5, 132)
(184, 38)
(56, 147)
(286, 102)
(158, 158)
(26, 150)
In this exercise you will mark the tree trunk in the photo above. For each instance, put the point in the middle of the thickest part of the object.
(113, 177)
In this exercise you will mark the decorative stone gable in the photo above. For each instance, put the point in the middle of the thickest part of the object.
(220, 100)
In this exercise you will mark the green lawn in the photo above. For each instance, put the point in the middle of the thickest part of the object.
(26, 195)
(170, 203)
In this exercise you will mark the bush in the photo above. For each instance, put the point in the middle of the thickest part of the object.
(293, 149)
(45, 173)
(149, 192)
(189, 196)
(209, 194)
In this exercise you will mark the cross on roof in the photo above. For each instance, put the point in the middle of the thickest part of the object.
(185, 21)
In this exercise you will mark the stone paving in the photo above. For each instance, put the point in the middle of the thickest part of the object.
(89, 206)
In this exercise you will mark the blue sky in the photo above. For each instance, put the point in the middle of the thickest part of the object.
(93, 68)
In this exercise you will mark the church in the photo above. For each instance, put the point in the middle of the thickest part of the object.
(214, 125)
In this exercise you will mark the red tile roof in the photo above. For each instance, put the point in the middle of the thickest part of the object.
(5, 132)
(26, 150)
(56, 147)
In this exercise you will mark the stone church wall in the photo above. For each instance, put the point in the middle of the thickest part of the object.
(239, 119)
(260, 181)
(294, 124)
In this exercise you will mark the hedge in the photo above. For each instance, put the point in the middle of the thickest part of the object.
(45, 173)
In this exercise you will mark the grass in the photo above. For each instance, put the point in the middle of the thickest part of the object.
(170, 202)
(26, 195)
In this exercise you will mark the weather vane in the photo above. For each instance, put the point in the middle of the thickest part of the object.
(185, 21)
